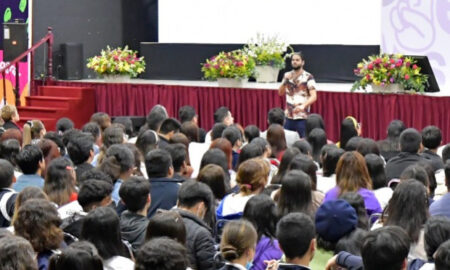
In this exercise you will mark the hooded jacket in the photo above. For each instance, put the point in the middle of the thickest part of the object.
(133, 228)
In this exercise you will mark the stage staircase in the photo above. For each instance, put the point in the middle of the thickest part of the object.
(54, 102)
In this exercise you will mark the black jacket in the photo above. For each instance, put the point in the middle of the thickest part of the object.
(164, 194)
(8, 206)
(199, 242)
(396, 165)
(133, 228)
(434, 159)
(10, 124)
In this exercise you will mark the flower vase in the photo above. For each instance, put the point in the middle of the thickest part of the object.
(232, 82)
(266, 74)
(116, 78)
(391, 88)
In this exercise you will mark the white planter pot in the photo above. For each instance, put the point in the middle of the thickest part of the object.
(117, 78)
(392, 88)
(231, 82)
(266, 74)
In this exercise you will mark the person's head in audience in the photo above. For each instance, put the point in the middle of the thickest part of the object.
(429, 169)
(226, 147)
(223, 115)
(394, 129)
(191, 130)
(446, 153)
(368, 146)
(334, 220)
(11, 133)
(217, 157)
(118, 162)
(163, 254)
(297, 238)
(351, 243)
(357, 202)
(58, 139)
(264, 145)
(102, 119)
(135, 194)
(251, 132)
(187, 114)
(306, 164)
(33, 130)
(352, 144)
(95, 131)
(283, 168)
(400, 210)
(329, 158)
(196, 198)
(442, 257)
(158, 163)
(214, 176)
(249, 151)
(31, 160)
(352, 173)
(9, 114)
(127, 123)
(313, 121)
(166, 224)
(26, 194)
(261, 211)
(60, 181)
(169, 127)
(6, 174)
(238, 242)
(94, 193)
(386, 248)
(375, 166)
(436, 232)
(410, 141)
(317, 138)
(38, 222)
(447, 174)
(275, 116)
(418, 173)
(155, 117)
(9, 150)
(277, 139)
(217, 130)
(63, 124)
(295, 194)
(233, 135)
(16, 253)
(431, 137)
(81, 149)
(147, 141)
(112, 135)
(178, 153)
(252, 176)
(70, 135)
(73, 258)
(96, 174)
(50, 151)
(349, 128)
(138, 158)
(101, 227)
(304, 147)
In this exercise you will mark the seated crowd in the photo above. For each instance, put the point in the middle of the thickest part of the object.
(174, 196)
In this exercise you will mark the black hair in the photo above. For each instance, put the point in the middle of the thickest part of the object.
(304, 147)
(348, 130)
(217, 130)
(163, 254)
(9, 150)
(214, 176)
(352, 144)
(118, 159)
(92, 128)
(186, 113)
(295, 194)
(74, 259)
(155, 117)
(69, 135)
(63, 124)
(367, 146)
(127, 123)
(147, 141)
(352, 242)
(305, 164)
(191, 192)
(431, 137)
(249, 151)
(58, 139)
(447, 173)
(294, 233)
(28, 159)
(313, 121)
(166, 224)
(80, 147)
(283, 168)
(101, 227)
(215, 156)
(275, 116)
(385, 248)
(410, 140)
(442, 257)
(6, 173)
(59, 181)
(375, 165)
(251, 132)
(112, 135)
(446, 153)
(169, 125)
(93, 192)
(16, 253)
(94, 173)
(220, 114)
(417, 172)
(134, 193)
(437, 231)
(178, 153)
(432, 183)
(261, 211)
(330, 156)
(357, 202)
(157, 163)
(317, 139)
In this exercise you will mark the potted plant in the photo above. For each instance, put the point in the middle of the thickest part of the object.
(117, 64)
(269, 54)
(230, 69)
(390, 73)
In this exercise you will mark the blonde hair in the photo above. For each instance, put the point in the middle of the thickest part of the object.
(252, 175)
(238, 236)
(8, 111)
(32, 130)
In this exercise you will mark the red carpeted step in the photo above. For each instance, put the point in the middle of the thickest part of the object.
(47, 101)
(62, 91)
(40, 112)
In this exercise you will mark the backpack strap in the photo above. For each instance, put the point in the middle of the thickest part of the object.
(4, 203)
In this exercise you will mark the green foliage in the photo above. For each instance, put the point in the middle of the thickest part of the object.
(117, 62)
(267, 51)
(234, 64)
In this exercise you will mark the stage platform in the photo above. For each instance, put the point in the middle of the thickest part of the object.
(251, 103)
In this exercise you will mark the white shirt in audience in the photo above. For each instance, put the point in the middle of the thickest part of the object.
(383, 195)
(118, 263)
(291, 136)
(196, 152)
(324, 183)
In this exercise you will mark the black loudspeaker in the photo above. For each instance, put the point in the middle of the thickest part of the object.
(72, 61)
(15, 40)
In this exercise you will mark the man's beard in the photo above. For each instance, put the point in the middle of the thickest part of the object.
(297, 68)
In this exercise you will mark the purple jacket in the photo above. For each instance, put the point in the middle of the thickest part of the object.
(371, 202)
(266, 249)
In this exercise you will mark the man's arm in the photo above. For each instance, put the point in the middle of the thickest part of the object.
(310, 101)
(283, 86)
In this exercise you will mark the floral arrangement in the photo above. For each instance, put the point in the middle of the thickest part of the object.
(234, 64)
(386, 69)
(268, 51)
(117, 62)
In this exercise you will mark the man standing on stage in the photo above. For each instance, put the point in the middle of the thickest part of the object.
(299, 87)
